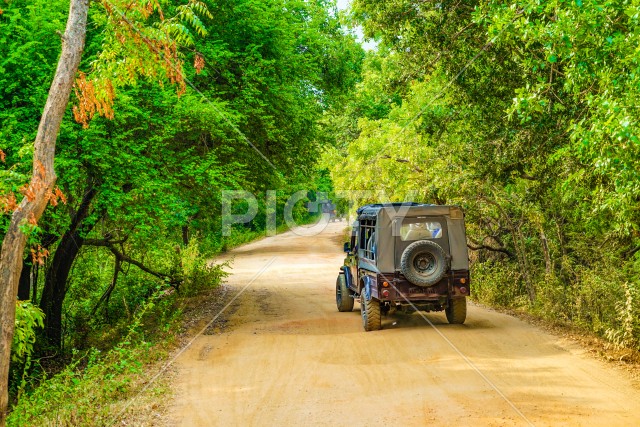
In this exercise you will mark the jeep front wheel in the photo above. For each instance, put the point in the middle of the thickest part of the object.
(456, 310)
(344, 300)
(370, 310)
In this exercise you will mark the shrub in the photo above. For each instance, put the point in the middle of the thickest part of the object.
(199, 272)
(92, 389)
(497, 283)
(28, 319)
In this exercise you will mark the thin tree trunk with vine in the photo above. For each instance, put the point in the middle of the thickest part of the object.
(548, 264)
(526, 270)
(40, 187)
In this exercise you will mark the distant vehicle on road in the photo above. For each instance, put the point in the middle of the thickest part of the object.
(326, 208)
(405, 256)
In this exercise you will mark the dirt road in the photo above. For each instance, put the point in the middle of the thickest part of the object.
(288, 358)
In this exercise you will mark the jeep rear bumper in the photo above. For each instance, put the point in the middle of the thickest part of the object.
(395, 288)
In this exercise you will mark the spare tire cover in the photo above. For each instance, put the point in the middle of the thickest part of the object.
(423, 263)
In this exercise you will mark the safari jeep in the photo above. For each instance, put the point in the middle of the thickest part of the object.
(406, 256)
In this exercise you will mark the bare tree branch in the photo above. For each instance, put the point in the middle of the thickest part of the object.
(172, 280)
(476, 246)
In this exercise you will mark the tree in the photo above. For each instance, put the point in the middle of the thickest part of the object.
(523, 113)
(41, 186)
(151, 51)
(151, 162)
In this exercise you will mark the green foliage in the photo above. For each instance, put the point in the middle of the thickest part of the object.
(524, 114)
(199, 272)
(143, 163)
(27, 42)
(628, 312)
(28, 319)
(100, 383)
(497, 284)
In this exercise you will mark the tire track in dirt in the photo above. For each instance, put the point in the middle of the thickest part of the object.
(287, 357)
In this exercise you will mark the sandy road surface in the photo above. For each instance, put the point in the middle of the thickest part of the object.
(288, 358)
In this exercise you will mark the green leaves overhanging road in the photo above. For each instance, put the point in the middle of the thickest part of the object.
(525, 113)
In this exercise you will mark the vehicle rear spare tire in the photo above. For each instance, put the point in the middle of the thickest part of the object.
(423, 263)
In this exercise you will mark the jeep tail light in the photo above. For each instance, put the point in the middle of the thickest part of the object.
(385, 293)
(463, 280)
(385, 284)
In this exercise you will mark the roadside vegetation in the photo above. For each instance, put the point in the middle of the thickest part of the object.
(524, 113)
(172, 104)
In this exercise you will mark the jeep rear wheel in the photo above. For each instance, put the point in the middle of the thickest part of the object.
(424, 263)
(344, 300)
(370, 310)
(456, 310)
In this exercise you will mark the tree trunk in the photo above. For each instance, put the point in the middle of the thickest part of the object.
(34, 283)
(57, 275)
(526, 271)
(42, 182)
(548, 265)
(117, 268)
(185, 235)
(24, 286)
(55, 287)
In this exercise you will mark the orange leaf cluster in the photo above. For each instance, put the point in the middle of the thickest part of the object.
(198, 63)
(8, 203)
(165, 53)
(97, 95)
(32, 219)
(55, 195)
(164, 50)
(39, 254)
(90, 101)
(148, 8)
(42, 173)
(3, 156)
(171, 63)
(29, 192)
